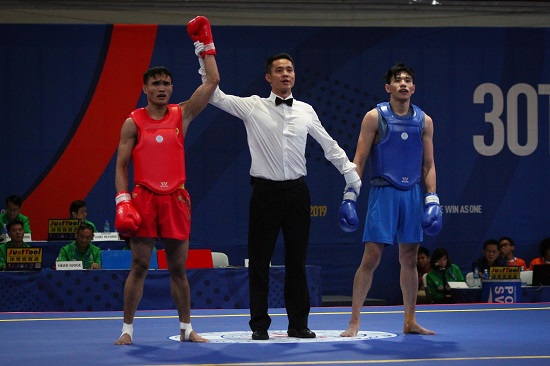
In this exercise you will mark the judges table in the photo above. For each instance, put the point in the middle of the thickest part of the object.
(529, 294)
(102, 290)
(50, 249)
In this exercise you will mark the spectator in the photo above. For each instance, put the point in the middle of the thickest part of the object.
(490, 258)
(443, 271)
(16, 234)
(78, 211)
(544, 254)
(128, 242)
(423, 267)
(507, 247)
(82, 249)
(13, 212)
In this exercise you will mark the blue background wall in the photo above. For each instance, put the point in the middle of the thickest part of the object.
(487, 90)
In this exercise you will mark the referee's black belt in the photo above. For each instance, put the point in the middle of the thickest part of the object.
(282, 184)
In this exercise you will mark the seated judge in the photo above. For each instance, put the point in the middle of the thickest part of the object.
(544, 254)
(443, 271)
(78, 210)
(82, 249)
(491, 257)
(13, 212)
(423, 266)
(16, 234)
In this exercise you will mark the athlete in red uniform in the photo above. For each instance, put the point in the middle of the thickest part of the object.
(159, 206)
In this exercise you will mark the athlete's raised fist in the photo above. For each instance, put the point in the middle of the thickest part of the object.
(199, 31)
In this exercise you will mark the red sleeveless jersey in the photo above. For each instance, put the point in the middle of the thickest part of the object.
(159, 156)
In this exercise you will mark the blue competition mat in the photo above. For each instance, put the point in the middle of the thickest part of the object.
(473, 334)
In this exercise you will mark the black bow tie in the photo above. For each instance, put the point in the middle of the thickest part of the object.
(288, 101)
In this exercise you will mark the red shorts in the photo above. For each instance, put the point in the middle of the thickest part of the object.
(163, 215)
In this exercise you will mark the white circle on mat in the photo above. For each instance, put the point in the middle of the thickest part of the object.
(280, 336)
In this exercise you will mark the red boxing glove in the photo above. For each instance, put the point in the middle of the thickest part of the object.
(127, 218)
(199, 31)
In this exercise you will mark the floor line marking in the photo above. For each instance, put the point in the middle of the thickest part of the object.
(386, 312)
(370, 362)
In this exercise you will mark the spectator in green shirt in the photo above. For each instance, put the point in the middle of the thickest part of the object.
(443, 271)
(16, 234)
(12, 212)
(82, 249)
(78, 211)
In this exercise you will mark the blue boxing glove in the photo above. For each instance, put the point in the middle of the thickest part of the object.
(347, 216)
(432, 220)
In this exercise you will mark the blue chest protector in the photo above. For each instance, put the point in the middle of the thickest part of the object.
(398, 155)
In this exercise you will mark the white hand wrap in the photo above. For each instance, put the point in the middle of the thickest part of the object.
(187, 329)
(123, 197)
(209, 47)
(128, 329)
(199, 48)
(350, 195)
(352, 181)
(431, 198)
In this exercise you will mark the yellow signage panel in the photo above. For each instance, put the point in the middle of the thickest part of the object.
(23, 258)
(505, 273)
(62, 229)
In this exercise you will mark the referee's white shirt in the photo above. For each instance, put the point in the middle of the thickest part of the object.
(277, 135)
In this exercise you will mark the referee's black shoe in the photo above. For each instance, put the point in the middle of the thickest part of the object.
(260, 335)
(301, 333)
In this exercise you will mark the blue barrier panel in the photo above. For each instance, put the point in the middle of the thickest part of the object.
(501, 291)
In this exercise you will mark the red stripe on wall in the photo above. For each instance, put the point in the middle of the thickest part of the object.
(96, 139)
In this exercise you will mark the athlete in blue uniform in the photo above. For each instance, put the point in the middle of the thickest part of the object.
(398, 138)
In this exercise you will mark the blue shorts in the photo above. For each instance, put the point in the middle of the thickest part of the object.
(394, 214)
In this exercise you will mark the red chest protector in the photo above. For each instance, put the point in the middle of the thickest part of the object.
(159, 156)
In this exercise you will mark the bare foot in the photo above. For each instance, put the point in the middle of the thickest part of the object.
(124, 340)
(414, 328)
(352, 331)
(193, 337)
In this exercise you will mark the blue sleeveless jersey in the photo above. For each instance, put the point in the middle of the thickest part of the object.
(398, 155)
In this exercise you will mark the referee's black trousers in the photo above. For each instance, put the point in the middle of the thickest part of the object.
(277, 206)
